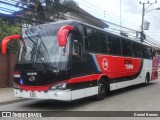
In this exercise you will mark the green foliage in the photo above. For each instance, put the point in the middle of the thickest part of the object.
(7, 29)
(53, 9)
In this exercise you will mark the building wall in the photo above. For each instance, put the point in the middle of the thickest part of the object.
(85, 19)
(7, 63)
(3, 70)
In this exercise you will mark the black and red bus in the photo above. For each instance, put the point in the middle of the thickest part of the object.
(69, 60)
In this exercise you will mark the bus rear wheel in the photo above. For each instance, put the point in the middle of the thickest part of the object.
(102, 89)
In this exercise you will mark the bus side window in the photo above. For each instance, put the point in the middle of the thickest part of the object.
(149, 52)
(153, 53)
(103, 43)
(126, 47)
(91, 40)
(146, 52)
(136, 48)
(86, 42)
(114, 45)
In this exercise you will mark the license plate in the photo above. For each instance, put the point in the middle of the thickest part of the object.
(32, 94)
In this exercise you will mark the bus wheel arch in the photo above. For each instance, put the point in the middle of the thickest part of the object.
(147, 78)
(107, 82)
(103, 87)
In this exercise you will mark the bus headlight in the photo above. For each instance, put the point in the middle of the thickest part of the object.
(59, 86)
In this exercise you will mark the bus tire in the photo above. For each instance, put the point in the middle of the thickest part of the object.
(147, 79)
(102, 89)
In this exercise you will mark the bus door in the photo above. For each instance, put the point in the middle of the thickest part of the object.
(77, 62)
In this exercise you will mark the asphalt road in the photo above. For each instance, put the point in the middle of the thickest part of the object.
(134, 98)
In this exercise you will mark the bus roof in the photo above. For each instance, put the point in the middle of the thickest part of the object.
(75, 22)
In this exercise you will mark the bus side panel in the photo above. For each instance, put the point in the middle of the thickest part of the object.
(116, 67)
(147, 67)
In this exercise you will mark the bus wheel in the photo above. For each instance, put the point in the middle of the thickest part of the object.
(102, 90)
(147, 79)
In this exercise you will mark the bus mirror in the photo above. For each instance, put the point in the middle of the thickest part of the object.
(62, 35)
(6, 40)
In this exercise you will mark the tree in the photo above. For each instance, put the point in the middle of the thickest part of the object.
(7, 29)
(46, 10)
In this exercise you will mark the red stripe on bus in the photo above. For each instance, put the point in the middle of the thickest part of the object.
(70, 81)
(84, 78)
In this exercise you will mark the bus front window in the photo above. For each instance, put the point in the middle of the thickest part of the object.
(41, 46)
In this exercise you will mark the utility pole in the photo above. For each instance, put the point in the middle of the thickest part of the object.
(143, 14)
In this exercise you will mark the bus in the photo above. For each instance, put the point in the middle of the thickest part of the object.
(69, 60)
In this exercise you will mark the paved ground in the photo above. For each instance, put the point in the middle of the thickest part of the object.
(135, 98)
(7, 96)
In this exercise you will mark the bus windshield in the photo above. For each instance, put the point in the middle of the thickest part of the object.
(40, 45)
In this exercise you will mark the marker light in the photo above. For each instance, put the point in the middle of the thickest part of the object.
(16, 86)
(16, 75)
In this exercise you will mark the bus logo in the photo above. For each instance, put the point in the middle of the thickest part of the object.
(32, 73)
(128, 64)
(6, 114)
(32, 78)
(105, 64)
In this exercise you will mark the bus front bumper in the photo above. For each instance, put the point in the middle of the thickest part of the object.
(64, 95)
